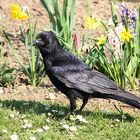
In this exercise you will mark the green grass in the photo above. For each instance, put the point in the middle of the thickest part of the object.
(100, 126)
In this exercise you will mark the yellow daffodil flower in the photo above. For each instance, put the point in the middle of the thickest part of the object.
(15, 10)
(92, 23)
(126, 35)
(101, 40)
(23, 16)
(17, 13)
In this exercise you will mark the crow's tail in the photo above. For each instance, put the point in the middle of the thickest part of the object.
(126, 97)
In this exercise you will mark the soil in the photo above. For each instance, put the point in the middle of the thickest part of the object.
(21, 91)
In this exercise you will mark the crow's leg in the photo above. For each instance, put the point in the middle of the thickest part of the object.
(72, 106)
(85, 100)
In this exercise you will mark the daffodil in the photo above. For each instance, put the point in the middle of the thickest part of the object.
(17, 13)
(92, 23)
(126, 35)
(23, 16)
(101, 40)
(15, 10)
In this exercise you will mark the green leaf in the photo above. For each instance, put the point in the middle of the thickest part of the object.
(114, 14)
(48, 5)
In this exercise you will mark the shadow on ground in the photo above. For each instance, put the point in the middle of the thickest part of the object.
(38, 108)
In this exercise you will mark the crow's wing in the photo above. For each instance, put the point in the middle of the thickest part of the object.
(83, 79)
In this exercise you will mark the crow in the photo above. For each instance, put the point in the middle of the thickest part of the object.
(74, 78)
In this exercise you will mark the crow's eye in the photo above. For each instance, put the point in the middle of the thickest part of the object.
(46, 41)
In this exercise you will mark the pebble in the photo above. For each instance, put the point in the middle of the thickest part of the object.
(50, 96)
(1, 90)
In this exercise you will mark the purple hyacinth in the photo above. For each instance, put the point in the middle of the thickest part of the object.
(123, 9)
(131, 25)
(131, 15)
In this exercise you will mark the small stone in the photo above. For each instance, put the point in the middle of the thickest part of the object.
(50, 96)
(1, 90)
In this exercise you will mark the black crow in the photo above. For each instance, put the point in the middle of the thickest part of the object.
(74, 78)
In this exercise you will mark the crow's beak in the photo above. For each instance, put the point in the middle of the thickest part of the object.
(37, 42)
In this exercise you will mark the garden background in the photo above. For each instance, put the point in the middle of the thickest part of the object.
(29, 112)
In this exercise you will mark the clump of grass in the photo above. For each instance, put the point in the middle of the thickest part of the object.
(61, 19)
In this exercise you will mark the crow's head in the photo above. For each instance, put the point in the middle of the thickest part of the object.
(47, 43)
(44, 39)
